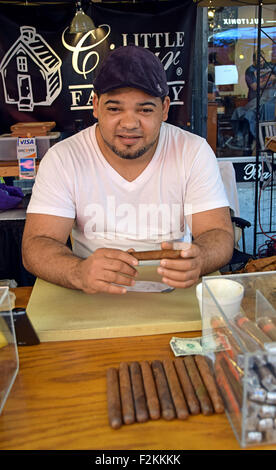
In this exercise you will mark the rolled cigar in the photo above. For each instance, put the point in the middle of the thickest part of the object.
(200, 389)
(126, 394)
(138, 393)
(233, 366)
(113, 398)
(221, 329)
(232, 381)
(268, 327)
(252, 330)
(210, 383)
(187, 387)
(176, 391)
(156, 254)
(247, 341)
(150, 391)
(226, 390)
(167, 407)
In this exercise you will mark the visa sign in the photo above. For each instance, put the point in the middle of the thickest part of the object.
(22, 141)
(26, 148)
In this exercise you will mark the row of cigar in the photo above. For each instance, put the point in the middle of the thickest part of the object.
(252, 336)
(258, 375)
(169, 389)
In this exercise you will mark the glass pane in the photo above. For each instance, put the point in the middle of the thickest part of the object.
(232, 75)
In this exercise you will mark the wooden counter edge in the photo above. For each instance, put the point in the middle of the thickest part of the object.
(10, 168)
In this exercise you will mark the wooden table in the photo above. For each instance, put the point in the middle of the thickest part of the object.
(58, 400)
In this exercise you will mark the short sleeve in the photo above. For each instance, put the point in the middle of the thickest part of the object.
(53, 189)
(204, 188)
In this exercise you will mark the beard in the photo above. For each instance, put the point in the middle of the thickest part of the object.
(126, 155)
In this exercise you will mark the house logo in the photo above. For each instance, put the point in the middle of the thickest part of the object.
(31, 72)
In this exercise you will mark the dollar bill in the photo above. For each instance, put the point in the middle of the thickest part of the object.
(198, 345)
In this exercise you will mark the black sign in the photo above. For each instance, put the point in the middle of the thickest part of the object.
(246, 172)
(47, 73)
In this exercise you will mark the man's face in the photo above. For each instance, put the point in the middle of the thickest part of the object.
(129, 122)
(262, 61)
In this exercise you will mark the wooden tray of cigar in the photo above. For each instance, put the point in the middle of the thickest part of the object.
(31, 129)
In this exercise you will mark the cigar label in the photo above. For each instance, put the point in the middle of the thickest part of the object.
(265, 423)
(258, 394)
(271, 398)
(156, 254)
(254, 436)
(267, 411)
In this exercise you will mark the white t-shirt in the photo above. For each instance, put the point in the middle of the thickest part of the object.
(75, 180)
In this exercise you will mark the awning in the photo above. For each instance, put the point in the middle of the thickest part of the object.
(229, 3)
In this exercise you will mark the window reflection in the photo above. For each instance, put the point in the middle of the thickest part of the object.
(232, 77)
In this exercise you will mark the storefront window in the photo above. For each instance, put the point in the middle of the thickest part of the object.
(232, 50)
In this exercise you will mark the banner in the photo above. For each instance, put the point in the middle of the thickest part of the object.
(47, 73)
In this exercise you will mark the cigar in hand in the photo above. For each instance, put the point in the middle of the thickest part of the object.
(156, 254)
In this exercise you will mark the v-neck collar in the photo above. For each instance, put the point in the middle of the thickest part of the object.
(143, 177)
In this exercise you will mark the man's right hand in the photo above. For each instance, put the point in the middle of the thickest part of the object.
(105, 268)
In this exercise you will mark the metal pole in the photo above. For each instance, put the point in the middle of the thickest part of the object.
(257, 127)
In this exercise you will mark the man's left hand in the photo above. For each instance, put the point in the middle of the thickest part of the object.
(184, 271)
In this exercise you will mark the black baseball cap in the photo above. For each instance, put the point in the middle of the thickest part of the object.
(135, 67)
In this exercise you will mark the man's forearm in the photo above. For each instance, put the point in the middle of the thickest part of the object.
(217, 249)
(52, 261)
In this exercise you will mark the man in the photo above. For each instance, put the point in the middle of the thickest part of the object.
(121, 185)
(267, 76)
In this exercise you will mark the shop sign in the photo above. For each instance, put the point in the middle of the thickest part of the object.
(47, 73)
(246, 172)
